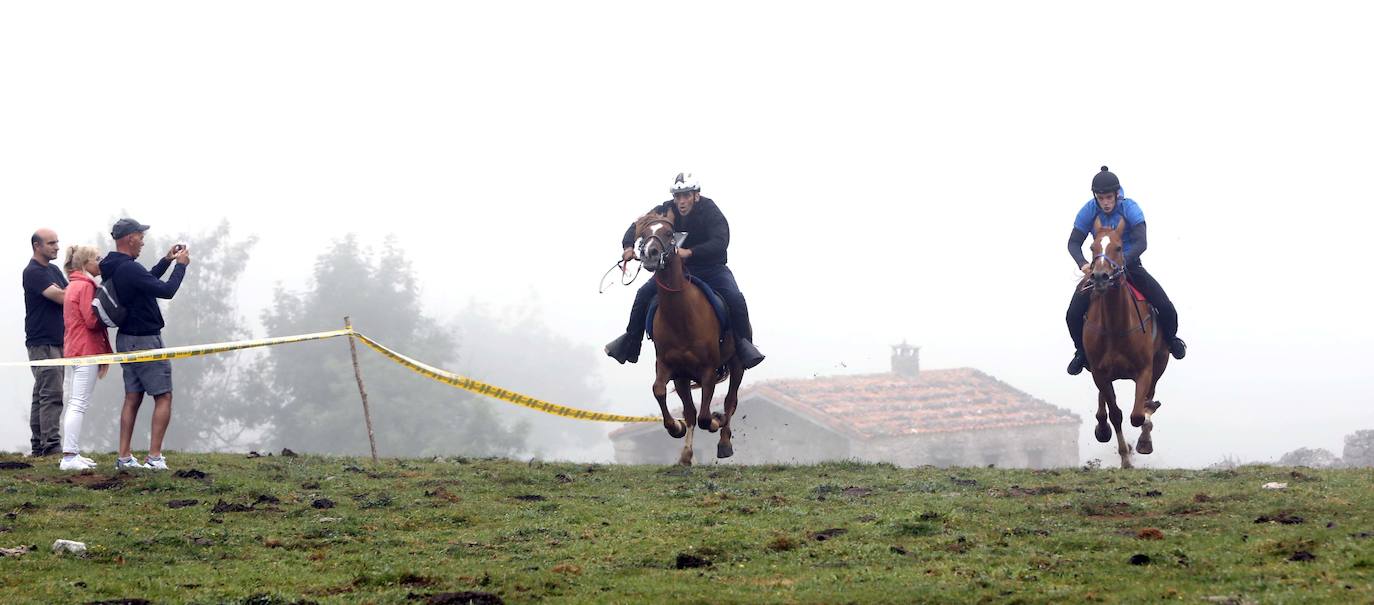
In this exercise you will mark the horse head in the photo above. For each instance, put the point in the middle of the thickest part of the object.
(657, 242)
(1109, 261)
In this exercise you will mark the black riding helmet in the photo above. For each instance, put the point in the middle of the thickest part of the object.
(1105, 182)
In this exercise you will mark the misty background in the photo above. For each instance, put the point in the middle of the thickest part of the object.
(456, 178)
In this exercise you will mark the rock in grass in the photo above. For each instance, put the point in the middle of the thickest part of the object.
(69, 546)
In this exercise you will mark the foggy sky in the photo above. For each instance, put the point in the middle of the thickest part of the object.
(889, 173)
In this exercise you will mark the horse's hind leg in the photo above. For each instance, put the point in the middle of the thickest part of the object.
(1104, 386)
(676, 428)
(684, 392)
(724, 449)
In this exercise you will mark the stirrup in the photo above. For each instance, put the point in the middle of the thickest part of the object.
(624, 348)
(1178, 348)
(1079, 363)
(749, 355)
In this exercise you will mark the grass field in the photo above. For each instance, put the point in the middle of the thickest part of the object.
(235, 529)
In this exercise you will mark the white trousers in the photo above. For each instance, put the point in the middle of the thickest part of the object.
(83, 384)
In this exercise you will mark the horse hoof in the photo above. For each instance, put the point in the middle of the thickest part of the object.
(1153, 406)
(1144, 447)
(681, 429)
(705, 425)
(1137, 420)
(1102, 433)
(724, 450)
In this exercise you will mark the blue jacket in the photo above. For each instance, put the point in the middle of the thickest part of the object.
(1126, 209)
(138, 290)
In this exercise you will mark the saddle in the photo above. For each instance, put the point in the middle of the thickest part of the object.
(717, 305)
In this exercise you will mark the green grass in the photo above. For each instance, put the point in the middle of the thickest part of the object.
(408, 529)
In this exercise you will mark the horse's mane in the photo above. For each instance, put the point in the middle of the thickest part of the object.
(653, 217)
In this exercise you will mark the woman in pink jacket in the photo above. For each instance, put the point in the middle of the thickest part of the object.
(85, 335)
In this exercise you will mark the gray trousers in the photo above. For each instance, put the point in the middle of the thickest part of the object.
(45, 415)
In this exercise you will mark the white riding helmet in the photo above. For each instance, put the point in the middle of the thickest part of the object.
(684, 181)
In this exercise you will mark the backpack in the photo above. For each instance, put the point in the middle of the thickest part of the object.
(107, 305)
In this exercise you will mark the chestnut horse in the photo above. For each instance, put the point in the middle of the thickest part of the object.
(688, 344)
(1122, 341)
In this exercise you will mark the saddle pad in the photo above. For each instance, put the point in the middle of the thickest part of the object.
(1136, 292)
(717, 305)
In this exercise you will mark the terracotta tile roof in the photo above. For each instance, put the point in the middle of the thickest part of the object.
(885, 405)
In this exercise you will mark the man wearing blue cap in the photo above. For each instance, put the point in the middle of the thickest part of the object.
(138, 291)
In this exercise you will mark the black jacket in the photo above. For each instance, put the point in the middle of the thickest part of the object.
(138, 290)
(708, 233)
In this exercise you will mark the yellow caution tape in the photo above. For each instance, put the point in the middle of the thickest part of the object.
(449, 378)
(177, 352)
(482, 388)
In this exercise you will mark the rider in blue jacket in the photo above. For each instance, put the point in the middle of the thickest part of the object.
(1109, 204)
(704, 256)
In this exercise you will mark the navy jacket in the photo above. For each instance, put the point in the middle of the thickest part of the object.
(138, 290)
(708, 233)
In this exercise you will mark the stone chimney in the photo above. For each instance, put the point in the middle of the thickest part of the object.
(906, 360)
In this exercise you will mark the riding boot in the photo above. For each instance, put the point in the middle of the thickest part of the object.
(749, 355)
(625, 347)
(1079, 363)
(1177, 347)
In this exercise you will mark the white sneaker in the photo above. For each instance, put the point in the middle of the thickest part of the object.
(131, 463)
(75, 463)
(159, 463)
(92, 463)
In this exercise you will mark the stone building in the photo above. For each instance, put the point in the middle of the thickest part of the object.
(908, 417)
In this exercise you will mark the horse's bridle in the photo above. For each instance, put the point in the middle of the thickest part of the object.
(1114, 279)
(667, 245)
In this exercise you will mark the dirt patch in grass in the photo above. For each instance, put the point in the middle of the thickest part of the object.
(1150, 533)
(458, 598)
(10, 465)
(1282, 518)
(690, 561)
(826, 534)
(182, 503)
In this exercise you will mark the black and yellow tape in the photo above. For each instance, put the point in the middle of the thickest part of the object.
(446, 377)
(177, 352)
(482, 388)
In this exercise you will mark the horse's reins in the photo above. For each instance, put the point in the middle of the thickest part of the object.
(624, 266)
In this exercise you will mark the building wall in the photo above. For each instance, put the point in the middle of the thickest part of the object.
(1045, 446)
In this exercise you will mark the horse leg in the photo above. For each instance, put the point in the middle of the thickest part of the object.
(1102, 432)
(676, 428)
(1104, 386)
(1142, 401)
(724, 449)
(708, 392)
(689, 410)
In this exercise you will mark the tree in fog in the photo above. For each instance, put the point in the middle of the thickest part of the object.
(208, 410)
(515, 349)
(1359, 449)
(309, 389)
(1309, 457)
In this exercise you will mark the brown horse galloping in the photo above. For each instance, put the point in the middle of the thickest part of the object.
(688, 344)
(1122, 341)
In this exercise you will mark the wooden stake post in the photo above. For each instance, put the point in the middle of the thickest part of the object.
(357, 373)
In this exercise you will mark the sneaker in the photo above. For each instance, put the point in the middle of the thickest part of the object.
(88, 461)
(159, 463)
(1178, 348)
(73, 463)
(131, 462)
